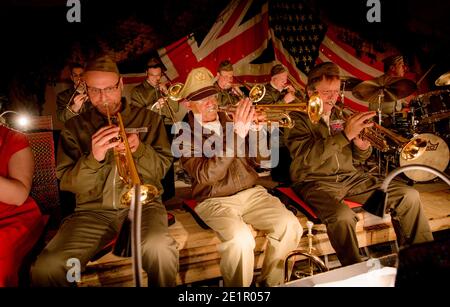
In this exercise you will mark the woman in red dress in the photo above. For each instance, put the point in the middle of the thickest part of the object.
(21, 221)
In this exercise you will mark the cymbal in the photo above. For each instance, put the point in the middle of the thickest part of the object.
(350, 82)
(391, 88)
(443, 80)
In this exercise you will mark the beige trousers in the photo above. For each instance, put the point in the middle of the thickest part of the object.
(229, 216)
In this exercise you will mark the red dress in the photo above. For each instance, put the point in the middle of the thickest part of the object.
(20, 226)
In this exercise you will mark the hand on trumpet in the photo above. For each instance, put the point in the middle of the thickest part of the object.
(355, 124)
(246, 117)
(104, 139)
(133, 142)
(158, 104)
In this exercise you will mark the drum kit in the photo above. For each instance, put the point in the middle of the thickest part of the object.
(427, 118)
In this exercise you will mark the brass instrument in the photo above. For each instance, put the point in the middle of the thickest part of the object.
(315, 263)
(279, 112)
(377, 135)
(128, 174)
(80, 89)
(173, 93)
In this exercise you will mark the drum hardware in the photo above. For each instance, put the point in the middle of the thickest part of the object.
(443, 80)
(348, 83)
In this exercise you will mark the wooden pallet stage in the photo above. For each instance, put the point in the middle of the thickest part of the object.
(199, 259)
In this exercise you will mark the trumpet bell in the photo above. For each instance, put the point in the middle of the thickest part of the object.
(414, 149)
(148, 192)
(257, 93)
(174, 91)
(315, 108)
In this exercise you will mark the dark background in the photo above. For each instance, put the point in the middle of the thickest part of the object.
(38, 42)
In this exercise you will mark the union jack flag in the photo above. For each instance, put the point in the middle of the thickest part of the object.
(247, 29)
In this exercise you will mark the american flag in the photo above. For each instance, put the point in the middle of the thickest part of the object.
(244, 32)
(301, 40)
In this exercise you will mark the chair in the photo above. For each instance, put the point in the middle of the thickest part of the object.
(189, 205)
(289, 197)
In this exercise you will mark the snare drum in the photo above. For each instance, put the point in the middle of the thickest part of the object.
(435, 155)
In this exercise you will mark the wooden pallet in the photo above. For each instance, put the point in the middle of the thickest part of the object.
(199, 259)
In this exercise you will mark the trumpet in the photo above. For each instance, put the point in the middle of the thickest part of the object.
(279, 112)
(128, 174)
(314, 262)
(378, 137)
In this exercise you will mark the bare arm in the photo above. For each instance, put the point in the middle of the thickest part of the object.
(16, 188)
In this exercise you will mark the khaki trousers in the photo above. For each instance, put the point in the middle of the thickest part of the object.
(326, 198)
(85, 233)
(229, 216)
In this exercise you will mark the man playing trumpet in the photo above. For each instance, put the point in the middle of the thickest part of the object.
(323, 172)
(224, 184)
(86, 167)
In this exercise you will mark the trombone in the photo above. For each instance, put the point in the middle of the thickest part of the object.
(80, 89)
(173, 93)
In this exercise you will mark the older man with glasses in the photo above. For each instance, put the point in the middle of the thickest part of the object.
(86, 167)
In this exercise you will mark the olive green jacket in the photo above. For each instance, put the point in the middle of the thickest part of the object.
(272, 95)
(145, 95)
(317, 154)
(225, 97)
(62, 112)
(97, 185)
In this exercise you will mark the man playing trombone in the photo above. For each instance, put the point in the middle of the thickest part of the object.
(74, 100)
(153, 95)
(228, 92)
(87, 167)
(323, 172)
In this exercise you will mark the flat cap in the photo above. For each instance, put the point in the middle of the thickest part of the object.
(328, 69)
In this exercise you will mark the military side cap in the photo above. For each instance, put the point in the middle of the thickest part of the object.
(102, 63)
(323, 69)
(199, 84)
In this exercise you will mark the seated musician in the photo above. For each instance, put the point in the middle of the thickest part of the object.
(394, 67)
(323, 172)
(86, 167)
(73, 100)
(228, 93)
(224, 185)
(20, 217)
(278, 90)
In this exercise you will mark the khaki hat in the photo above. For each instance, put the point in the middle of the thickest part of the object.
(102, 63)
(199, 84)
(328, 69)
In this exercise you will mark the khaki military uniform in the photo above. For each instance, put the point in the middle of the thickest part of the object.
(62, 112)
(98, 189)
(225, 97)
(323, 174)
(145, 95)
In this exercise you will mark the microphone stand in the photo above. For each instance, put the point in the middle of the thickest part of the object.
(377, 202)
(135, 216)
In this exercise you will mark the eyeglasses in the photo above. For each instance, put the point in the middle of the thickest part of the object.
(107, 91)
